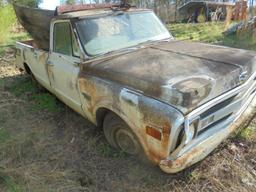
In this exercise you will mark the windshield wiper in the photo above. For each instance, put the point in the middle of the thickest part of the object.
(120, 50)
(135, 47)
(154, 41)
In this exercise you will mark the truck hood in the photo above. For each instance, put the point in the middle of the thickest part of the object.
(182, 74)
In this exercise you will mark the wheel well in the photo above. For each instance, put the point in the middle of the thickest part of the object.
(27, 69)
(100, 115)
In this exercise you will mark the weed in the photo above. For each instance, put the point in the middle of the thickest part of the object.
(8, 181)
(23, 87)
(195, 175)
(8, 23)
(248, 134)
(2, 50)
(27, 90)
(107, 151)
(7, 20)
(45, 101)
(4, 135)
(2, 83)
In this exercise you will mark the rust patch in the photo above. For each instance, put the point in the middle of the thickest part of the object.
(50, 72)
(181, 161)
(87, 97)
(162, 153)
(89, 91)
(155, 157)
(43, 57)
(72, 8)
(166, 138)
(167, 129)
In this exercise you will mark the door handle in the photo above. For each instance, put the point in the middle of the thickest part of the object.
(50, 63)
(76, 64)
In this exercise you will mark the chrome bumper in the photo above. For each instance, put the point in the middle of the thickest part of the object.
(192, 151)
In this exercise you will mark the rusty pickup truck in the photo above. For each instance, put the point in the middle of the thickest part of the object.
(170, 101)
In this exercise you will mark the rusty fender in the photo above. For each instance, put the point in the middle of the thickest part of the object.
(156, 125)
(202, 146)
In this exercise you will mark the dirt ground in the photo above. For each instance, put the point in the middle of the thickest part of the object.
(45, 146)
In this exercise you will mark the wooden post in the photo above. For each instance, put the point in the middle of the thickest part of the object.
(241, 10)
(229, 15)
(244, 10)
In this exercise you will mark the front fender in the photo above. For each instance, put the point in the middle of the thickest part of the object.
(156, 124)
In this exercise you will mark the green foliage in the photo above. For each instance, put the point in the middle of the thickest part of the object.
(248, 134)
(70, 2)
(107, 151)
(23, 88)
(7, 21)
(27, 90)
(8, 181)
(211, 33)
(45, 101)
(4, 135)
(30, 3)
(8, 24)
(1, 84)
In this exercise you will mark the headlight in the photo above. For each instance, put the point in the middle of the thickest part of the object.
(190, 130)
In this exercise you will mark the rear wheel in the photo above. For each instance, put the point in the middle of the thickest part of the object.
(120, 136)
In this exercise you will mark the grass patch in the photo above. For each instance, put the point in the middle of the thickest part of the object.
(212, 33)
(107, 151)
(45, 101)
(2, 83)
(8, 181)
(27, 90)
(7, 21)
(23, 88)
(208, 32)
(4, 135)
(11, 39)
(248, 134)
(8, 27)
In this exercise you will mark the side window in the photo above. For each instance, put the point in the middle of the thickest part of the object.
(64, 40)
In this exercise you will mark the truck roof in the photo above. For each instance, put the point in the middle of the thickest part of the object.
(76, 11)
(37, 21)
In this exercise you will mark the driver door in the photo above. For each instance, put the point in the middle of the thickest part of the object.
(63, 65)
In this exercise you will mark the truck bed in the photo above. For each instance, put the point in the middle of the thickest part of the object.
(30, 57)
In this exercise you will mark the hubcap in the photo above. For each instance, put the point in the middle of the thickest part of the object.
(127, 142)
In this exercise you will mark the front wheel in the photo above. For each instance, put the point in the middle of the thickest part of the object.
(120, 136)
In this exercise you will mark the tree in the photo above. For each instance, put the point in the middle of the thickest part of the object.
(70, 2)
(30, 3)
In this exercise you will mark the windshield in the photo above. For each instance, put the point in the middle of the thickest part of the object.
(126, 29)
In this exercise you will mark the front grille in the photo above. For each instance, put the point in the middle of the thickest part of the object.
(214, 124)
(226, 106)
(218, 113)
(218, 107)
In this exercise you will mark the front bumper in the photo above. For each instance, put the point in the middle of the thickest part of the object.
(201, 146)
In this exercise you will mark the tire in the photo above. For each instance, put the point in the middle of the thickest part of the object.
(120, 136)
